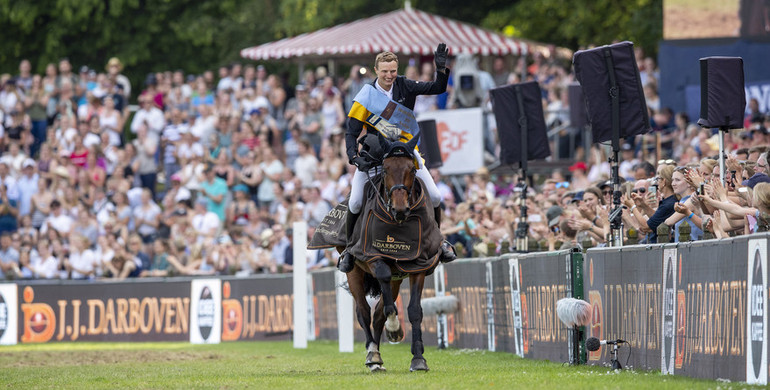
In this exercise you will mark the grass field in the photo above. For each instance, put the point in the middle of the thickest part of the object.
(276, 365)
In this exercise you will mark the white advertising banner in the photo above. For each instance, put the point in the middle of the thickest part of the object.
(206, 311)
(461, 139)
(8, 314)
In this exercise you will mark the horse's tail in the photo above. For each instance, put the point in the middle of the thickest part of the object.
(372, 286)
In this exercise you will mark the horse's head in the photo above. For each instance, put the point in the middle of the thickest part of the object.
(399, 172)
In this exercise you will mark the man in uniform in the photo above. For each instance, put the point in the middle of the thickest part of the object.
(402, 91)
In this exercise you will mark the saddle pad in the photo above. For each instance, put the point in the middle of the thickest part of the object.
(331, 231)
(384, 237)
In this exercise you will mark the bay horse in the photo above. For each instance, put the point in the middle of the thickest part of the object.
(376, 277)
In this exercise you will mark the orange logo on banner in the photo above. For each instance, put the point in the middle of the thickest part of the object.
(681, 322)
(39, 319)
(596, 321)
(450, 141)
(232, 315)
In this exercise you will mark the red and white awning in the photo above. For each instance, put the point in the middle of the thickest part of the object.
(405, 31)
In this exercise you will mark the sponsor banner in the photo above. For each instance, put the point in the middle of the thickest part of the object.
(756, 313)
(624, 290)
(466, 280)
(205, 311)
(123, 311)
(8, 314)
(460, 137)
(668, 318)
(711, 309)
(257, 308)
(517, 308)
(502, 329)
(541, 281)
(325, 305)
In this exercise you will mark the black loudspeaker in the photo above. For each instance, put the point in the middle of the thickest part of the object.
(595, 69)
(511, 105)
(722, 97)
(429, 145)
(578, 116)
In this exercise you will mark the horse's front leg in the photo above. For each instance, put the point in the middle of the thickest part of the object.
(379, 314)
(393, 329)
(416, 283)
(364, 316)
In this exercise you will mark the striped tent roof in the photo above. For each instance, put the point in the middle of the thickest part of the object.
(405, 31)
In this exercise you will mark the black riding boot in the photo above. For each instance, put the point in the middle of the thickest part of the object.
(447, 250)
(347, 261)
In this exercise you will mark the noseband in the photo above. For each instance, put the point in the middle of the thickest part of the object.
(388, 200)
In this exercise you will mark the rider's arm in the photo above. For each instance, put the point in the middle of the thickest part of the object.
(430, 87)
(351, 138)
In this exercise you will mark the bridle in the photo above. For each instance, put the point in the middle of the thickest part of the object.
(394, 149)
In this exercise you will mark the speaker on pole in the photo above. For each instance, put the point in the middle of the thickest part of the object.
(429, 144)
(578, 116)
(509, 111)
(723, 98)
(596, 69)
(521, 128)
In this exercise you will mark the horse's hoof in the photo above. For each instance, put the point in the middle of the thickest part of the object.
(418, 364)
(373, 358)
(395, 337)
(376, 368)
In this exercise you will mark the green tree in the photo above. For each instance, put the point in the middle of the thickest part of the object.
(147, 35)
(581, 23)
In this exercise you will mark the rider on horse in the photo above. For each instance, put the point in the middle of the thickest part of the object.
(400, 92)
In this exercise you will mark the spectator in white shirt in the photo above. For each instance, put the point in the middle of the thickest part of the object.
(205, 223)
(57, 220)
(150, 116)
(82, 261)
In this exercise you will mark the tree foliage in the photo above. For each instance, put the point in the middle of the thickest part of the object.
(153, 35)
(147, 35)
(582, 23)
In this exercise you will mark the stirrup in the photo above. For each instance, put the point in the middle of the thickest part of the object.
(448, 253)
(345, 264)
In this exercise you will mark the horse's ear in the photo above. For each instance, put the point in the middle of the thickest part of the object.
(384, 143)
(413, 142)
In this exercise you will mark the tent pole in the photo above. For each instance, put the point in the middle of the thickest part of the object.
(301, 71)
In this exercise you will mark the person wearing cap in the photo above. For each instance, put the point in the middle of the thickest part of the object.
(579, 179)
(27, 186)
(114, 67)
(402, 91)
(626, 166)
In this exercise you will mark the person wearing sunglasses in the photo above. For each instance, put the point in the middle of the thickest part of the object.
(665, 209)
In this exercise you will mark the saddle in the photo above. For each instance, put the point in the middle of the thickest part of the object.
(412, 246)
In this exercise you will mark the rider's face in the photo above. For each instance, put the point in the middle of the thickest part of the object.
(386, 74)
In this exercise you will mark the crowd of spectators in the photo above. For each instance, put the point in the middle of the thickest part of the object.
(209, 173)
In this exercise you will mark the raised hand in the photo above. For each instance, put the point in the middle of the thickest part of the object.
(440, 56)
(681, 209)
